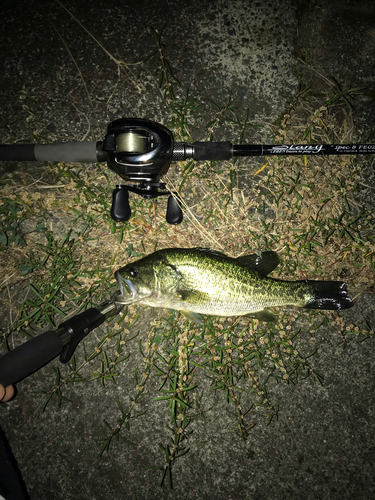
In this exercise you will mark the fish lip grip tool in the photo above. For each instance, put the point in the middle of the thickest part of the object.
(140, 151)
(40, 350)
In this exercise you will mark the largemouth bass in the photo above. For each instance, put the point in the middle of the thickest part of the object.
(199, 281)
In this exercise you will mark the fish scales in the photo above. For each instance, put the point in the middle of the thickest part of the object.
(222, 287)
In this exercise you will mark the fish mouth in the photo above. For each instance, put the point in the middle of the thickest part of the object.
(124, 292)
(131, 287)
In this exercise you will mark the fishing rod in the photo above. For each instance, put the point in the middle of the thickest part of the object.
(40, 350)
(140, 151)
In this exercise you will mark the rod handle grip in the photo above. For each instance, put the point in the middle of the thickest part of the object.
(29, 357)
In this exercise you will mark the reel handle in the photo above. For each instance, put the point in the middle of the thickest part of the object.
(174, 213)
(120, 210)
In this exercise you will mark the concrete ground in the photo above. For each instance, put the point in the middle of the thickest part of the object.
(256, 52)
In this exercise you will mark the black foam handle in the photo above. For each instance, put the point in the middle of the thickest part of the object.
(120, 210)
(17, 152)
(29, 357)
(212, 150)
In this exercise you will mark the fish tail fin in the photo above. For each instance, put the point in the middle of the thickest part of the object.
(329, 295)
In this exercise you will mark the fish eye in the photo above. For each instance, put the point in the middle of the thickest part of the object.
(133, 271)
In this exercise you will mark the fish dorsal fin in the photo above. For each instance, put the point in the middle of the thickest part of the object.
(210, 251)
(263, 264)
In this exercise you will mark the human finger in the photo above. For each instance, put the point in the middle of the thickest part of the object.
(6, 393)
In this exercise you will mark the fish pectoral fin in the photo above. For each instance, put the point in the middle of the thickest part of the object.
(184, 295)
(193, 296)
(192, 316)
(262, 316)
(263, 264)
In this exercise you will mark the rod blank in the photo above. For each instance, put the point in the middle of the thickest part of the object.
(303, 149)
(91, 151)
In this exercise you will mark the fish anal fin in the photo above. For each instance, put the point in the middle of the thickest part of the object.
(262, 316)
(192, 316)
(263, 264)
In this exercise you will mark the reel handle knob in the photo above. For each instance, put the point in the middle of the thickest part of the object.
(120, 210)
(174, 213)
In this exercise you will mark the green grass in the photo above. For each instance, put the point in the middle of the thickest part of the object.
(307, 209)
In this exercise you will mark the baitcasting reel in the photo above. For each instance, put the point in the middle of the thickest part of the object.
(141, 151)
